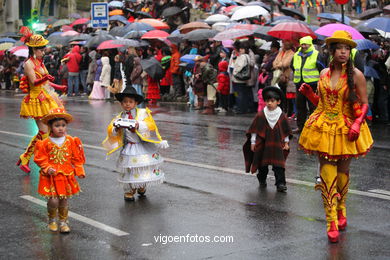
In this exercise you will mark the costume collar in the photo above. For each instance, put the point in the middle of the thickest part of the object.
(272, 116)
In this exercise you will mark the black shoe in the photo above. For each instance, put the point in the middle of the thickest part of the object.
(262, 183)
(281, 188)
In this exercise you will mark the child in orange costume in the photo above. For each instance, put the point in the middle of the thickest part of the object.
(60, 157)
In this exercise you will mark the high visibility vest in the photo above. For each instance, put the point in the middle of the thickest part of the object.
(309, 70)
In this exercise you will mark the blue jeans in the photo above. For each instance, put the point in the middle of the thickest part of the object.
(83, 79)
(244, 98)
(73, 81)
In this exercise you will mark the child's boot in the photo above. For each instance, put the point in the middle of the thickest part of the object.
(328, 187)
(52, 214)
(63, 217)
(24, 159)
(129, 196)
(262, 176)
(141, 191)
(280, 179)
(342, 188)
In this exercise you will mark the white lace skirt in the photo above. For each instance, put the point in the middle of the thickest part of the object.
(139, 165)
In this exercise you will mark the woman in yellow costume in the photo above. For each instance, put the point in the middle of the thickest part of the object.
(337, 130)
(40, 98)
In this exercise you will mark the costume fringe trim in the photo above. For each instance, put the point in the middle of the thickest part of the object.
(334, 157)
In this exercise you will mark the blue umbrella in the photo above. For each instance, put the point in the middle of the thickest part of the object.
(119, 18)
(336, 17)
(365, 44)
(140, 27)
(115, 4)
(380, 23)
(189, 58)
(227, 2)
(2, 40)
(55, 33)
(370, 72)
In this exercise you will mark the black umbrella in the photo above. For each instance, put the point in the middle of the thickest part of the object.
(171, 11)
(98, 39)
(153, 68)
(293, 12)
(199, 35)
(127, 42)
(119, 31)
(143, 14)
(81, 37)
(262, 33)
(370, 13)
(176, 38)
(140, 27)
(366, 30)
(59, 40)
(134, 34)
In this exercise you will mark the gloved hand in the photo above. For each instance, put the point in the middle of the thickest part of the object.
(61, 88)
(41, 80)
(50, 77)
(354, 131)
(308, 92)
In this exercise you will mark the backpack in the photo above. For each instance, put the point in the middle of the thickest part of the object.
(245, 73)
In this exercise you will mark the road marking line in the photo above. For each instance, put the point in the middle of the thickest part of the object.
(235, 171)
(80, 218)
(386, 192)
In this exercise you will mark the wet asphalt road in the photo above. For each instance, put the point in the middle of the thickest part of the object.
(206, 193)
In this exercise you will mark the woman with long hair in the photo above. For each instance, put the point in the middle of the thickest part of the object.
(337, 131)
(41, 97)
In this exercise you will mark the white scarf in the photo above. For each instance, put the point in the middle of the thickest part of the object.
(272, 116)
(58, 140)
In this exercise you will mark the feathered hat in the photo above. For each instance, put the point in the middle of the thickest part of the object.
(32, 40)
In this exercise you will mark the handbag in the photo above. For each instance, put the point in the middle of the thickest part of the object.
(245, 73)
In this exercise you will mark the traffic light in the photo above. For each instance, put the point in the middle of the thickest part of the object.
(34, 18)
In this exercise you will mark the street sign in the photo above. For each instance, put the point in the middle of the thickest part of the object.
(99, 14)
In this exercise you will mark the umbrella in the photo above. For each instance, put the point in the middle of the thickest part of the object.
(291, 31)
(7, 40)
(143, 14)
(59, 40)
(231, 9)
(81, 37)
(262, 33)
(108, 45)
(157, 24)
(193, 26)
(293, 13)
(6, 45)
(365, 44)
(370, 13)
(115, 4)
(61, 22)
(119, 31)
(249, 12)
(126, 42)
(227, 2)
(370, 72)
(55, 33)
(9, 34)
(215, 18)
(380, 23)
(70, 33)
(366, 30)
(171, 11)
(144, 43)
(134, 34)
(283, 20)
(386, 9)
(66, 28)
(335, 17)
(75, 16)
(232, 34)
(21, 53)
(188, 58)
(199, 35)
(240, 2)
(80, 21)
(118, 18)
(48, 20)
(250, 27)
(98, 39)
(153, 68)
(265, 6)
(227, 43)
(116, 12)
(16, 48)
(140, 27)
(220, 26)
(155, 34)
(329, 29)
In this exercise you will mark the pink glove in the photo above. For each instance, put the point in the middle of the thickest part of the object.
(61, 88)
(354, 131)
(308, 92)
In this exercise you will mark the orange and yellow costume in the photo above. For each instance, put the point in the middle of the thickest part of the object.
(67, 161)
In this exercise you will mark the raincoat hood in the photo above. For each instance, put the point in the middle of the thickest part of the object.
(76, 49)
(223, 66)
(92, 55)
(105, 61)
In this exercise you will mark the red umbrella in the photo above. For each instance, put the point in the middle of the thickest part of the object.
(155, 34)
(80, 21)
(109, 45)
(17, 48)
(66, 28)
(291, 31)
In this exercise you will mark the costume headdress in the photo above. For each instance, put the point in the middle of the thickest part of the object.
(32, 40)
(58, 112)
(341, 37)
(129, 92)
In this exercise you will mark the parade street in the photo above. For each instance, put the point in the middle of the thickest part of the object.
(208, 207)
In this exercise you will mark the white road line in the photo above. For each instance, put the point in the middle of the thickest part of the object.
(235, 171)
(386, 192)
(80, 218)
